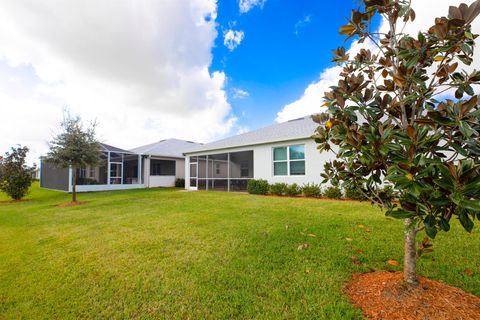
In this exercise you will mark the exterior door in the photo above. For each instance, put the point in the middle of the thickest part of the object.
(193, 176)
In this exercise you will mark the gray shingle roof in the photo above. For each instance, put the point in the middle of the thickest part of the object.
(294, 129)
(171, 148)
(105, 147)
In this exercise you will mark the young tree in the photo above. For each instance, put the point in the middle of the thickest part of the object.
(75, 147)
(15, 175)
(406, 115)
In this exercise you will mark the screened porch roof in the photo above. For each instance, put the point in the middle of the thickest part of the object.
(108, 148)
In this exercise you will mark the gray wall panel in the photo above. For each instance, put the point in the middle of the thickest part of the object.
(53, 178)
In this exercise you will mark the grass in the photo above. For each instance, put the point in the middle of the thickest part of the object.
(201, 255)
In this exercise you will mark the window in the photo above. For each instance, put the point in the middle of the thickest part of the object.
(217, 168)
(162, 167)
(289, 160)
(92, 172)
(81, 173)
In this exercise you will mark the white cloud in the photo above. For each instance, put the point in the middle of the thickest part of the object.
(302, 23)
(311, 100)
(239, 93)
(247, 5)
(139, 67)
(242, 130)
(232, 39)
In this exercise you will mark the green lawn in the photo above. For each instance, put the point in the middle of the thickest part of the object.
(201, 255)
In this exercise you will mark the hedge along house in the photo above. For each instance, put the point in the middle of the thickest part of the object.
(283, 152)
(164, 161)
(118, 169)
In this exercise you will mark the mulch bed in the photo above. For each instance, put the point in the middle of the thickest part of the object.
(384, 295)
(70, 204)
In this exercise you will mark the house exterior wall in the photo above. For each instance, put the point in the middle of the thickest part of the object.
(54, 178)
(162, 181)
(263, 162)
(152, 181)
(180, 168)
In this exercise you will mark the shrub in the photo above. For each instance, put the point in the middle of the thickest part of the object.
(354, 194)
(180, 183)
(278, 189)
(258, 186)
(15, 175)
(293, 190)
(332, 192)
(311, 190)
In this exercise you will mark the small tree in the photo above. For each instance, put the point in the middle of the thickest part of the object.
(75, 147)
(15, 175)
(390, 124)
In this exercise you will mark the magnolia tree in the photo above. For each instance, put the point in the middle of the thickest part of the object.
(406, 115)
(15, 174)
(75, 147)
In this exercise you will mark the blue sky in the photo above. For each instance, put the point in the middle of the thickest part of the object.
(286, 46)
(158, 69)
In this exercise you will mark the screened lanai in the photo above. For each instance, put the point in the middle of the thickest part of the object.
(117, 167)
(221, 172)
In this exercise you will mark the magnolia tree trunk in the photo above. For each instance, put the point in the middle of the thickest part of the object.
(410, 259)
(74, 185)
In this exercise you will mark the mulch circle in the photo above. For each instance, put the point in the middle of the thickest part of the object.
(384, 295)
(70, 204)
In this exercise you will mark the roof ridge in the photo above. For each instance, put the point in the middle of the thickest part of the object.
(300, 128)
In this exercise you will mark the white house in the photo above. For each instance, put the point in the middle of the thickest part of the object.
(164, 161)
(283, 152)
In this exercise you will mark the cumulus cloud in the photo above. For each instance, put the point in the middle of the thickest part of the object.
(242, 130)
(139, 67)
(239, 93)
(311, 100)
(247, 5)
(232, 39)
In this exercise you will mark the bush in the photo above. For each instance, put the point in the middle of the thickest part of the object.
(311, 190)
(333, 192)
(180, 183)
(15, 175)
(293, 190)
(354, 194)
(278, 189)
(258, 186)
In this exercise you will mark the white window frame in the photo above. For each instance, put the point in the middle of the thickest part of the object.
(288, 160)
